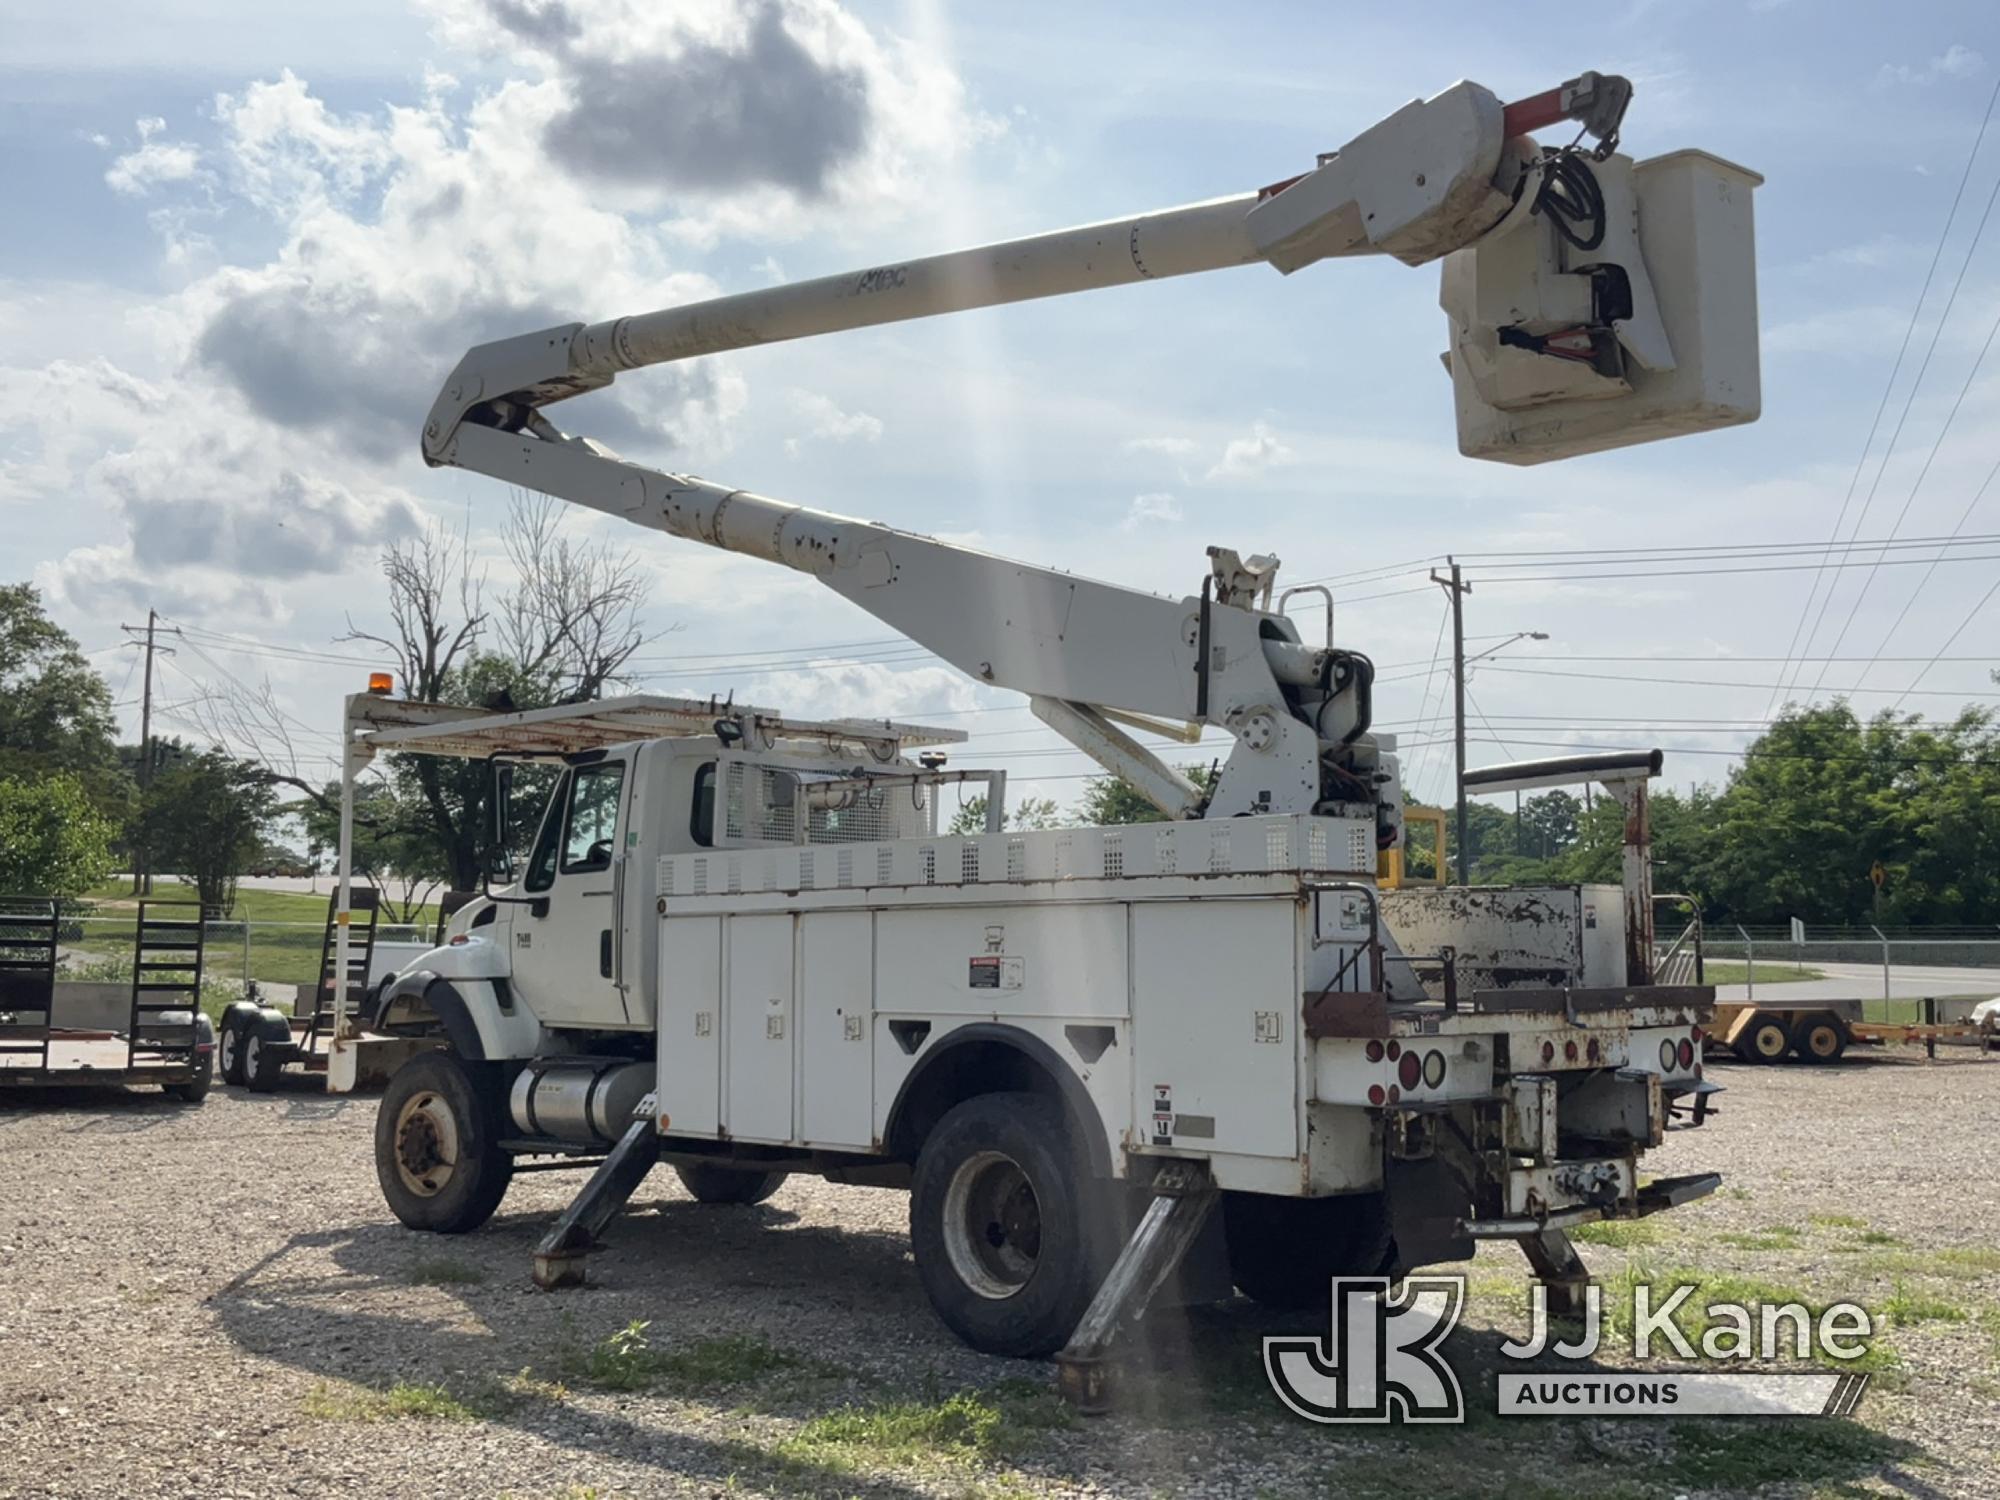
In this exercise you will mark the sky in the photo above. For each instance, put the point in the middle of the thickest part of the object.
(245, 243)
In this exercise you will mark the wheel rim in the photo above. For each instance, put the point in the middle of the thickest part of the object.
(426, 1144)
(253, 1052)
(1822, 1042)
(992, 1225)
(229, 1046)
(1770, 1042)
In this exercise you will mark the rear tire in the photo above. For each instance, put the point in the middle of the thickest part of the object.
(264, 1057)
(1821, 1038)
(195, 1089)
(229, 1050)
(1765, 1040)
(1007, 1225)
(706, 1184)
(1283, 1252)
(437, 1153)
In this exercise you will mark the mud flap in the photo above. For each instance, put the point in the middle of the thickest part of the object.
(1428, 1207)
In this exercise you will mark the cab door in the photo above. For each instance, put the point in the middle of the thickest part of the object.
(568, 942)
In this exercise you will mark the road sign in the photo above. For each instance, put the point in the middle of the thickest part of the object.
(1798, 930)
(1877, 874)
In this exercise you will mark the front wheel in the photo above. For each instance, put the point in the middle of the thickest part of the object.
(707, 1184)
(1005, 1225)
(1822, 1038)
(1765, 1040)
(437, 1152)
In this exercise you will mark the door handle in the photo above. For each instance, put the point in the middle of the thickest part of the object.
(604, 953)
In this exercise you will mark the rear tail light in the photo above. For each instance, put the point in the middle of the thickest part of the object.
(1569, 1050)
(1695, 1036)
(1376, 1093)
(1410, 1071)
(1433, 1069)
(1594, 1052)
(1667, 1055)
(1687, 1055)
(1374, 1051)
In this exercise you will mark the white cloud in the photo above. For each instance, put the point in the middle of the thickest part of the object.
(1172, 447)
(1955, 61)
(1247, 457)
(826, 422)
(288, 388)
(1155, 506)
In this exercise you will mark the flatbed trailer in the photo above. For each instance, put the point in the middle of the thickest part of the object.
(165, 1039)
(1820, 1031)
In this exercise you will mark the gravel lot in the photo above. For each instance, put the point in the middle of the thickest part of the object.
(214, 1302)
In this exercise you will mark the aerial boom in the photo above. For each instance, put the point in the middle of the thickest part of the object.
(1561, 343)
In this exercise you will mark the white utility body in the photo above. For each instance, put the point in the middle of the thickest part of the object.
(741, 945)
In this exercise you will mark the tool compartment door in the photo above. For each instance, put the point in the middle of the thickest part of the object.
(1215, 1015)
(759, 1030)
(690, 1010)
(836, 1024)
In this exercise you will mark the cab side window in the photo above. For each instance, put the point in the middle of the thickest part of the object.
(542, 860)
(591, 830)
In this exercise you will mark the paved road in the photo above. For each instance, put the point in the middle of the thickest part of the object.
(1864, 982)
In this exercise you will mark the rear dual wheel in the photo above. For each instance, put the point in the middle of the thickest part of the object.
(1820, 1038)
(1765, 1040)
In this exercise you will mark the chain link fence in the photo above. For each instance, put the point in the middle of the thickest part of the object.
(280, 957)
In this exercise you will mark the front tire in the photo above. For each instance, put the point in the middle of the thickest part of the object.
(1822, 1038)
(1004, 1220)
(229, 1049)
(1283, 1252)
(1765, 1040)
(707, 1184)
(437, 1152)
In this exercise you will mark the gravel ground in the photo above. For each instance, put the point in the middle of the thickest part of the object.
(213, 1301)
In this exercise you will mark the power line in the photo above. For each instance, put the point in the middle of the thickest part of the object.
(1923, 582)
(1710, 682)
(1888, 389)
(1970, 615)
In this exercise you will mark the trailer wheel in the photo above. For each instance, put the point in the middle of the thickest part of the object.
(1822, 1038)
(437, 1152)
(264, 1056)
(1005, 1225)
(195, 1089)
(229, 1050)
(1765, 1040)
(1284, 1251)
(706, 1184)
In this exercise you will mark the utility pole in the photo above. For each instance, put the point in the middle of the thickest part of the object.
(143, 875)
(1458, 588)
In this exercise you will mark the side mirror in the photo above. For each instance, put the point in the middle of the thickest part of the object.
(500, 824)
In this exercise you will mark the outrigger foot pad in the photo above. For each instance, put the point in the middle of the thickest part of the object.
(1172, 1222)
(559, 1258)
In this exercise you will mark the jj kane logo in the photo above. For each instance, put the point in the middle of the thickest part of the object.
(1382, 1360)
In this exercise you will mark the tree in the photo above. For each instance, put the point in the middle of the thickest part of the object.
(393, 848)
(53, 842)
(563, 633)
(55, 711)
(205, 818)
(1110, 800)
(1029, 813)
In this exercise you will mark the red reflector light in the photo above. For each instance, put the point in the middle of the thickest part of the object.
(1593, 1051)
(1374, 1051)
(1394, 1093)
(1548, 1052)
(1433, 1069)
(1687, 1054)
(1569, 1050)
(1695, 1035)
(459, 942)
(1376, 1094)
(1395, 1050)
(1410, 1071)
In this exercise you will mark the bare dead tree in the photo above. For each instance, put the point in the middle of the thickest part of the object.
(425, 576)
(573, 616)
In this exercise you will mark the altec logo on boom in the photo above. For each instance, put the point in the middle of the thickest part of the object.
(1382, 1358)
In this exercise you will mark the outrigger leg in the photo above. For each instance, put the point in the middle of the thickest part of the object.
(1184, 1198)
(1552, 1256)
(559, 1257)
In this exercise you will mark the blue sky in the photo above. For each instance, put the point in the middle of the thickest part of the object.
(244, 245)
